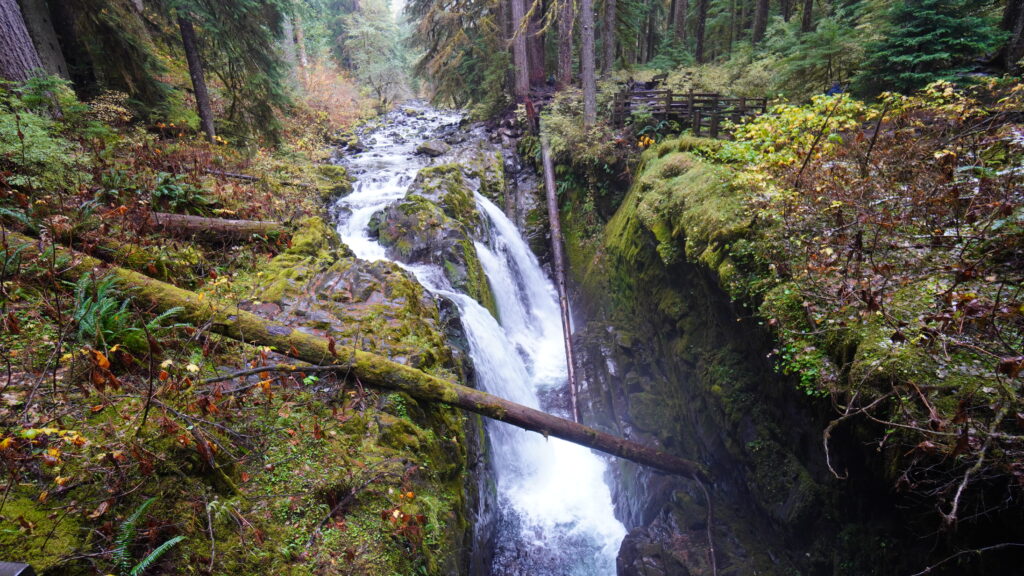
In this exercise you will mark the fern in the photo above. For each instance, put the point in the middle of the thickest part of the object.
(154, 556)
(126, 535)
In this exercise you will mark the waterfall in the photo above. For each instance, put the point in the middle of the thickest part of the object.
(556, 510)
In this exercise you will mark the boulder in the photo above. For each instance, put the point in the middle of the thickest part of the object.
(433, 148)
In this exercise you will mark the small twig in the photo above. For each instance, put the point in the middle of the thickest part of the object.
(277, 368)
(978, 551)
(951, 518)
(710, 522)
(871, 145)
(817, 139)
(209, 529)
(352, 493)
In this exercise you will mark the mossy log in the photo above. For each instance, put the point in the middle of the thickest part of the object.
(370, 369)
(212, 230)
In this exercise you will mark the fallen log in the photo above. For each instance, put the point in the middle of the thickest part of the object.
(212, 230)
(248, 178)
(558, 262)
(370, 369)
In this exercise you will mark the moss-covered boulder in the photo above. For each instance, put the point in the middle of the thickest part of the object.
(437, 224)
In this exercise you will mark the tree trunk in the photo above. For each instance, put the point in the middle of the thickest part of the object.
(652, 35)
(787, 9)
(535, 48)
(40, 28)
(700, 25)
(370, 369)
(679, 20)
(519, 57)
(212, 230)
(1013, 22)
(807, 17)
(587, 63)
(18, 56)
(80, 64)
(566, 27)
(300, 43)
(195, 70)
(760, 22)
(558, 262)
(608, 62)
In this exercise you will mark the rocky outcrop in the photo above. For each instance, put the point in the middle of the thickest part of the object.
(436, 223)
(434, 148)
(668, 359)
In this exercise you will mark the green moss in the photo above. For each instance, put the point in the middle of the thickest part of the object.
(34, 533)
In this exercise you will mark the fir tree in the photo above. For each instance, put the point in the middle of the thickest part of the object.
(925, 41)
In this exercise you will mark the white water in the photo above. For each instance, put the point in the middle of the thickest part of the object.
(557, 513)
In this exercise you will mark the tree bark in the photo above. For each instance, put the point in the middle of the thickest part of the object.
(519, 57)
(370, 369)
(700, 25)
(760, 22)
(566, 29)
(787, 9)
(1013, 22)
(300, 43)
(608, 62)
(587, 63)
(679, 20)
(80, 65)
(195, 70)
(18, 56)
(807, 17)
(212, 230)
(40, 28)
(558, 261)
(535, 46)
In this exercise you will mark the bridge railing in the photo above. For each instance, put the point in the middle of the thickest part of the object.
(702, 112)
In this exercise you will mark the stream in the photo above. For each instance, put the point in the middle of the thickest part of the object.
(555, 508)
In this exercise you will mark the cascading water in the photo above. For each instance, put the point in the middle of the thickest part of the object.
(556, 510)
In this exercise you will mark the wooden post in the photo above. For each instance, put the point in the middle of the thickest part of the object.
(559, 265)
(690, 109)
(715, 117)
(668, 104)
(696, 122)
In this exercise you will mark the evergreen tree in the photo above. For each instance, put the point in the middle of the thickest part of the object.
(927, 40)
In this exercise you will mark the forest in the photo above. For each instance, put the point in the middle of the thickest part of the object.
(510, 287)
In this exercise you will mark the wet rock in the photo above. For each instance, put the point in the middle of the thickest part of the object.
(436, 223)
(641, 555)
(433, 148)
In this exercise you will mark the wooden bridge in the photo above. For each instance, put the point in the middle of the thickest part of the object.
(701, 112)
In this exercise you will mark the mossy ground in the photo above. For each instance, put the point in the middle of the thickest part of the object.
(264, 474)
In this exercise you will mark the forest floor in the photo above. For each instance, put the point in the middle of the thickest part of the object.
(128, 444)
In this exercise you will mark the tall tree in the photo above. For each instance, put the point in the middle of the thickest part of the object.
(566, 29)
(1013, 23)
(40, 28)
(760, 22)
(18, 56)
(699, 29)
(682, 8)
(535, 43)
(807, 17)
(608, 34)
(195, 71)
(928, 40)
(519, 55)
(587, 63)
(787, 9)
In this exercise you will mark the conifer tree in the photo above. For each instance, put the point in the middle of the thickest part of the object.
(925, 41)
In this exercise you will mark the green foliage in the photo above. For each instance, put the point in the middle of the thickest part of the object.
(464, 52)
(31, 144)
(104, 319)
(126, 536)
(790, 132)
(928, 40)
(374, 44)
(173, 192)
